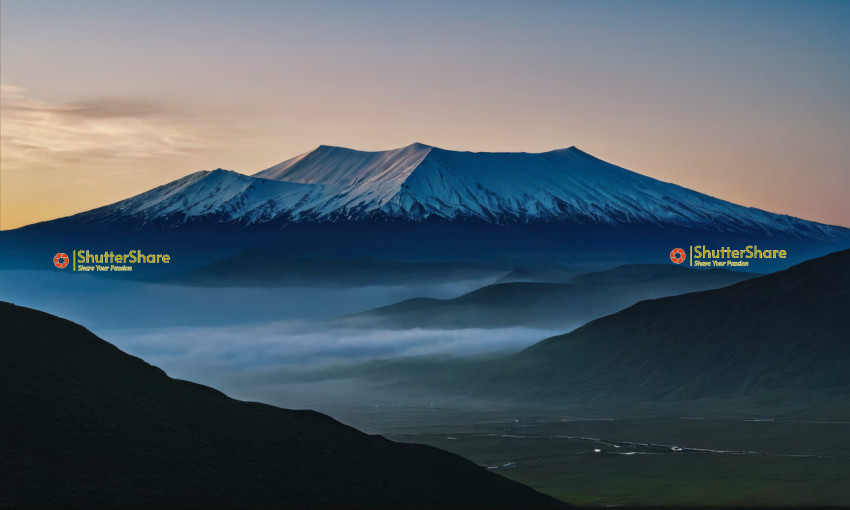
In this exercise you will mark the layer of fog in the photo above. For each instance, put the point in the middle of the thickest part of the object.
(99, 302)
(302, 363)
(273, 345)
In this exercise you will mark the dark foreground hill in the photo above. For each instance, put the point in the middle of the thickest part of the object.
(86, 425)
(554, 305)
(773, 342)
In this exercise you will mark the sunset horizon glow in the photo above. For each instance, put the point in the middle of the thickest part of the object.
(746, 102)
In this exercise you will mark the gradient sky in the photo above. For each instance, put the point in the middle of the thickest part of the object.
(748, 101)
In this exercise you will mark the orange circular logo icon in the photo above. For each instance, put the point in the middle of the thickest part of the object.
(60, 260)
(677, 255)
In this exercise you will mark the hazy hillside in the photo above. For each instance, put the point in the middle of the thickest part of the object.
(85, 425)
(771, 339)
(550, 305)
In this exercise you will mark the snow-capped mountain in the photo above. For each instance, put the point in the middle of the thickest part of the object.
(419, 182)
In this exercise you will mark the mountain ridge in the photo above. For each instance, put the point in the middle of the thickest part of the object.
(420, 182)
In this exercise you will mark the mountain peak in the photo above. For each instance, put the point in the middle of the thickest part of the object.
(419, 181)
(572, 149)
(323, 148)
(340, 166)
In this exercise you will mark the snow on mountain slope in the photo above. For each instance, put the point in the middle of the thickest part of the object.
(222, 194)
(348, 167)
(418, 182)
(568, 184)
